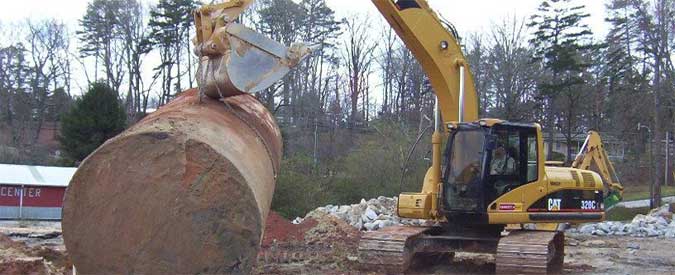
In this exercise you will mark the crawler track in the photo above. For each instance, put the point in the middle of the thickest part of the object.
(388, 249)
(530, 252)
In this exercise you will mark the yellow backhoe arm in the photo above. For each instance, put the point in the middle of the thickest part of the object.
(593, 157)
(439, 53)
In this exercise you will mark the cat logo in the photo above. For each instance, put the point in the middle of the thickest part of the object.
(554, 204)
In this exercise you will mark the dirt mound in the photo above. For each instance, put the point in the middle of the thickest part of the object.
(280, 230)
(17, 258)
(321, 244)
(24, 266)
(331, 230)
(318, 228)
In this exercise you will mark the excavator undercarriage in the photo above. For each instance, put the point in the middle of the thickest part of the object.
(395, 249)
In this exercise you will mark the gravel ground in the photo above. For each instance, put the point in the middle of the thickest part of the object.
(331, 249)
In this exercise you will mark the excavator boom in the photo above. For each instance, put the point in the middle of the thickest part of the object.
(436, 47)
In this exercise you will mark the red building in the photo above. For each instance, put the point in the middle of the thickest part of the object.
(32, 192)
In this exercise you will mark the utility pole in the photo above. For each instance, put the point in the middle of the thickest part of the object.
(316, 142)
(652, 170)
(667, 164)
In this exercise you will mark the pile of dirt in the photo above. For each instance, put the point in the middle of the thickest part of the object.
(317, 228)
(321, 243)
(280, 230)
(330, 230)
(17, 258)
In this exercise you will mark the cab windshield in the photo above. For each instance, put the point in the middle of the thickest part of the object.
(464, 170)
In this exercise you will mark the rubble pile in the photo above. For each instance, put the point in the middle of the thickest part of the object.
(658, 223)
(368, 215)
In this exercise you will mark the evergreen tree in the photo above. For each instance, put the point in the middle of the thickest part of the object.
(171, 24)
(626, 99)
(93, 119)
(99, 38)
(561, 40)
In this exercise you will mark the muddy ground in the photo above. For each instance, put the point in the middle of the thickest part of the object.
(584, 255)
(325, 245)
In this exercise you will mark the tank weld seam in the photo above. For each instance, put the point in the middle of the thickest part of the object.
(254, 129)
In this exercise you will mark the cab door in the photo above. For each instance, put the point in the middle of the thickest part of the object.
(514, 192)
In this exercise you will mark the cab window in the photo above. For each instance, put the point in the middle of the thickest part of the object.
(532, 157)
(513, 160)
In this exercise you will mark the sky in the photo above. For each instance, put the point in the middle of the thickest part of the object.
(474, 16)
(467, 16)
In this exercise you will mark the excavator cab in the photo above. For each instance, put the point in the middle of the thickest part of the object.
(483, 162)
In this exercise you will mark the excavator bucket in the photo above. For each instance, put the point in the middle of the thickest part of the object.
(235, 59)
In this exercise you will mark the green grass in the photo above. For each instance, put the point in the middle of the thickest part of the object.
(625, 214)
(641, 192)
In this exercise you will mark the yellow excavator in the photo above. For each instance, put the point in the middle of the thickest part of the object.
(492, 173)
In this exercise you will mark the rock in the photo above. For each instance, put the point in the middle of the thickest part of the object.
(383, 223)
(670, 233)
(371, 214)
(370, 226)
(629, 228)
(663, 211)
(661, 221)
(352, 258)
(297, 220)
(639, 218)
(344, 209)
(358, 225)
(594, 243)
(633, 246)
(652, 232)
(617, 227)
(587, 229)
(606, 227)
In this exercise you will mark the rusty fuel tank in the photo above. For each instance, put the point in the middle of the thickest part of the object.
(186, 190)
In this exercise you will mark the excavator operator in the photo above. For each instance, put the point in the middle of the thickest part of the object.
(502, 162)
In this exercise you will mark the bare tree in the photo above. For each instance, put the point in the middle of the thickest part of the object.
(386, 66)
(357, 56)
(49, 47)
(512, 76)
(656, 24)
(135, 34)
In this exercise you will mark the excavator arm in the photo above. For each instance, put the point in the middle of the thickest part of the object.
(593, 157)
(434, 44)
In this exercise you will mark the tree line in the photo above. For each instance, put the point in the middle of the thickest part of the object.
(362, 96)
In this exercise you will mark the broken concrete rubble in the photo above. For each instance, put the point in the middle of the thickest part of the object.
(368, 215)
(658, 223)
